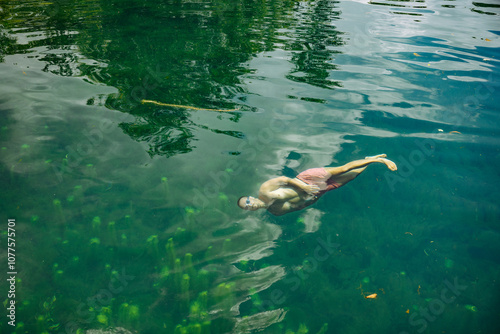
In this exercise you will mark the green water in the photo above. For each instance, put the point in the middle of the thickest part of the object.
(125, 212)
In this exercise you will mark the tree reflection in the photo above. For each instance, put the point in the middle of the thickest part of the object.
(178, 52)
(315, 44)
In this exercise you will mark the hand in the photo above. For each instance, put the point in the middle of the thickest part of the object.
(311, 189)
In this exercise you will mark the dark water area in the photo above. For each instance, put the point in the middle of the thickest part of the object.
(129, 129)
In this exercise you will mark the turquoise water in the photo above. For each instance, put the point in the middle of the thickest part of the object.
(125, 211)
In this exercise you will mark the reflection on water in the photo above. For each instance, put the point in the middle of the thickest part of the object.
(126, 210)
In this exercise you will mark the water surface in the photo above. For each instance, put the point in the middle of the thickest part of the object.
(126, 212)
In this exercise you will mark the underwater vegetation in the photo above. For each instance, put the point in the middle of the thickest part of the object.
(106, 277)
(109, 268)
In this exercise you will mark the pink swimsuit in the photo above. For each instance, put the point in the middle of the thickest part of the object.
(319, 177)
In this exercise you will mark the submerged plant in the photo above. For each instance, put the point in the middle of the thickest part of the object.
(123, 312)
(123, 239)
(170, 252)
(58, 274)
(179, 329)
(133, 314)
(103, 319)
(323, 329)
(223, 200)
(152, 245)
(20, 328)
(127, 220)
(471, 308)
(58, 210)
(185, 285)
(104, 315)
(244, 265)
(177, 274)
(91, 172)
(302, 329)
(202, 280)
(112, 234)
(188, 264)
(96, 224)
(41, 324)
(198, 310)
(94, 241)
(256, 300)
(185, 289)
(224, 295)
(128, 314)
(181, 235)
(209, 253)
(193, 328)
(64, 164)
(191, 213)
(163, 276)
(78, 192)
(226, 246)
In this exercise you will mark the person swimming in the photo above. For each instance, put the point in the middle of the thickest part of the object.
(282, 195)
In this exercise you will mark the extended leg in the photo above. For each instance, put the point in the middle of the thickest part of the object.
(344, 178)
(351, 170)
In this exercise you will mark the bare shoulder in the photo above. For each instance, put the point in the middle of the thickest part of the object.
(267, 191)
(274, 184)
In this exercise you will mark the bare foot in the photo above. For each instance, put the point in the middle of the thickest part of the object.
(377, 156)
(391, 165)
